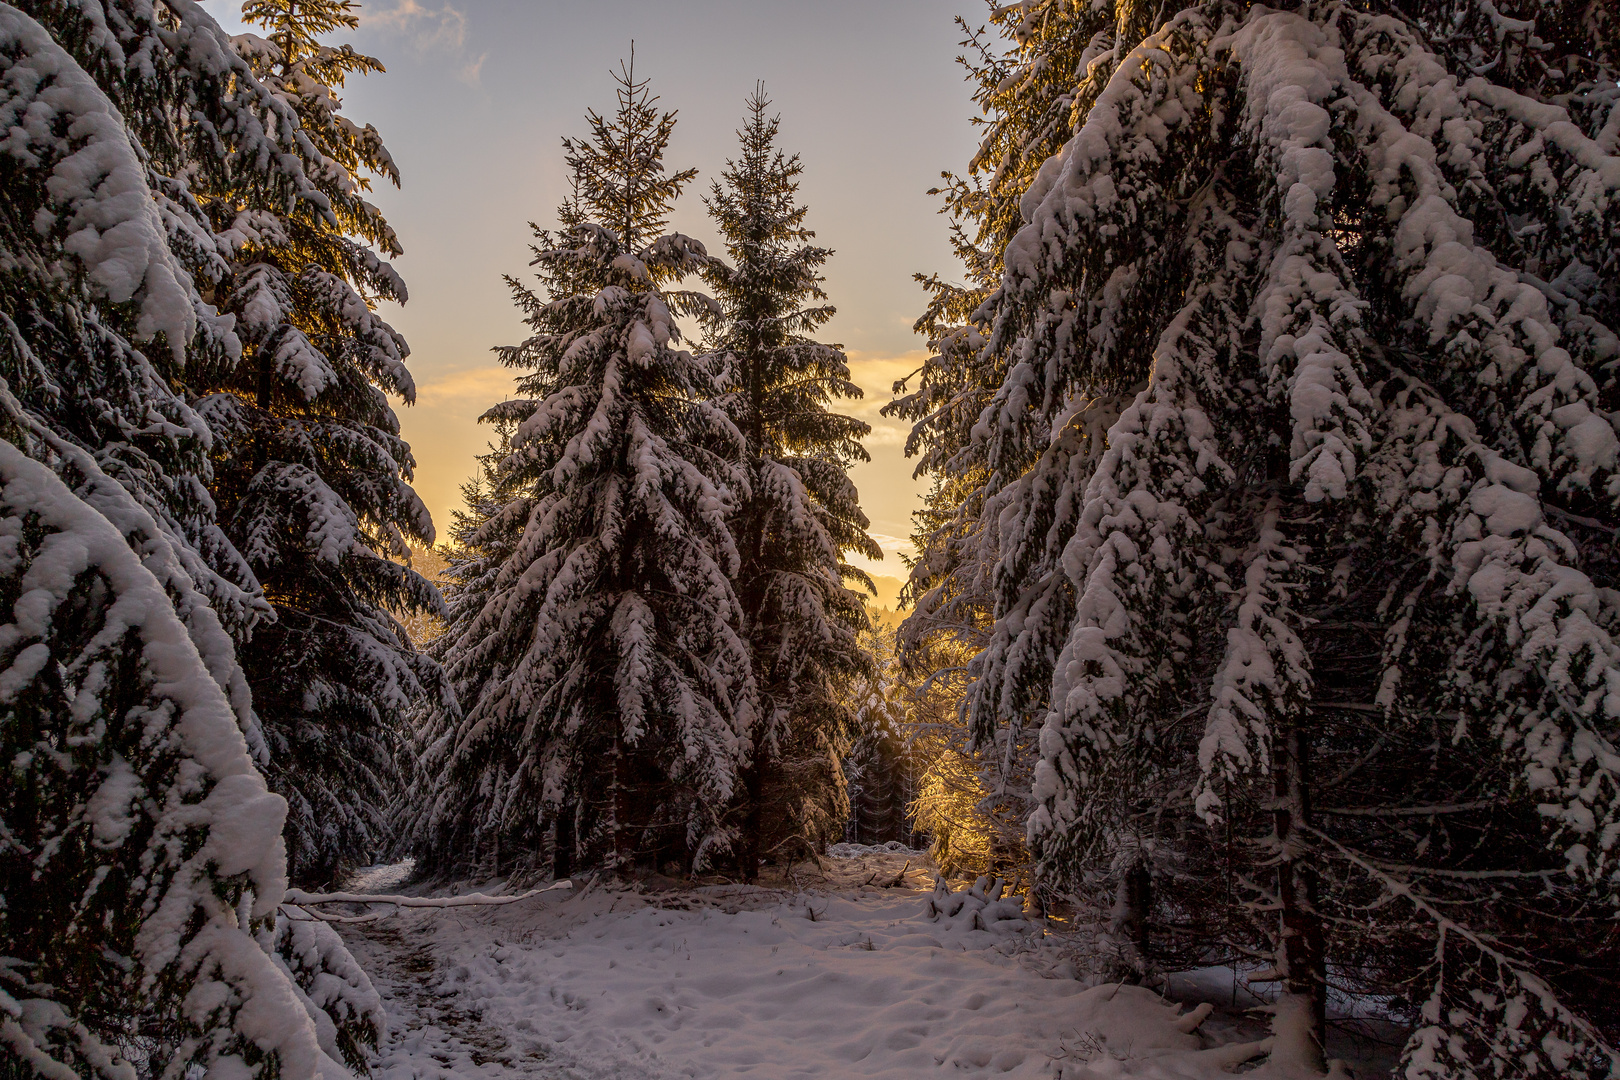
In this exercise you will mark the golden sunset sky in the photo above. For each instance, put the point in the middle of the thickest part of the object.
(479, 93)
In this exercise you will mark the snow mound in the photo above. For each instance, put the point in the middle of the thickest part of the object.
(381, 877)
(855, 851)
(980, 906)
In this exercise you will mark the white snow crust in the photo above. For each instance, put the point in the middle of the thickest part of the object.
(855, 851)
(189, 929)
(53, 113)
(730, 981)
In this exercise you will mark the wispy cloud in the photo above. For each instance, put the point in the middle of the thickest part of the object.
(889, 568)
(876, 374)
(893, 543)
(439, 29)
(482, 386)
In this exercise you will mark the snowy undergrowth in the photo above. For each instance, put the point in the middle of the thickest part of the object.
(855, 851)
(837, 979)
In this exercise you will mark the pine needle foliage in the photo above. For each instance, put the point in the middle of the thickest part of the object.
(882, 766)
(98, 338)
(133, 752)
(130, 791)
(607, 688)
(618, 172)
(1286, 469)
(311, 477)
(801, 513)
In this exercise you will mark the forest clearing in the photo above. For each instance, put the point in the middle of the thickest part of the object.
(544, 702)
(833, 970)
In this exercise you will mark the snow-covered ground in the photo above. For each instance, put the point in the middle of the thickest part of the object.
(858, 972)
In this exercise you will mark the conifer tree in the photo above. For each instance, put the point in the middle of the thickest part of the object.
(130, 790)
(801, 512)
(103, 314)
(878, 765)
(311, 477)
(1292, 402)
(1029, 97)
(606, 688)
(477, 548)
(125, 720)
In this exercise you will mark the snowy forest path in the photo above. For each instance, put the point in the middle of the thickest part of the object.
(426, 1030)
(432, 1033)
(854, 969)
(437, 1033)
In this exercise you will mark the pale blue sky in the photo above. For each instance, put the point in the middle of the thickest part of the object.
(478, 94)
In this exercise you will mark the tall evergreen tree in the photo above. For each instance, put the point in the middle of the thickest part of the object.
(130, 790)
(311, 477)
(606, 687)
(1031, 93)
(878, 765)
(801, 512)
(1293, 403)
(103, 314)
(125, 720)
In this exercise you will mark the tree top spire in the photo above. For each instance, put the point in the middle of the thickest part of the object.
(619, 171)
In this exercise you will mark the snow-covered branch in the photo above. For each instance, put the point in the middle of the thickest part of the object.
(301, 898)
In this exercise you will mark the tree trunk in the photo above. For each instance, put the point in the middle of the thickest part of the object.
(618, 803)
(1300, 1022)
(265, 380)
(752, 599)
(563, 849)
(1136, 888)
(754, 789)
(1128, 922)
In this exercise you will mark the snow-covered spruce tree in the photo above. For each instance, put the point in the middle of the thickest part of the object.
(1307, 481)
(878, 765)
(109, 106)
(801, 513)
(311, 477)
(606, 688)
(130, 792)
(111, 110)
(1030, 95)
(477, 548)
